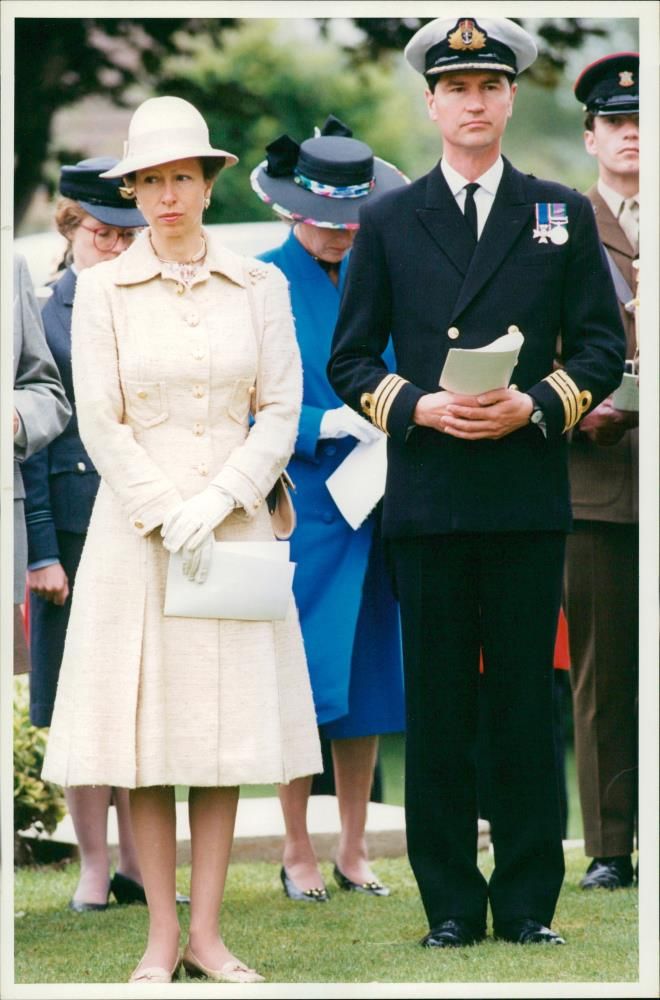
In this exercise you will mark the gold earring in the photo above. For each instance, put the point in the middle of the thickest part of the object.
(207, 202)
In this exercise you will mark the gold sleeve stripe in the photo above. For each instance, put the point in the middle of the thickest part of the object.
(384, 399)
(575, 402)
(377, 404)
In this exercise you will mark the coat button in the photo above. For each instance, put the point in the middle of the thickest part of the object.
(198, 354)
(453, 332)
(139, 525)
(180, 289)
(513, 329)
(331, 449)
(198, 429)
(142, 393)
(198, 391)
(256, 503)
(81, 467)
(328, 516)
(192, 319)
(203, 469)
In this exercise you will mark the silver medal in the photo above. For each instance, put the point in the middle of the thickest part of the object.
(559, 235)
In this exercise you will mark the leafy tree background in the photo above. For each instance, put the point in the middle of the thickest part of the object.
(77, 81)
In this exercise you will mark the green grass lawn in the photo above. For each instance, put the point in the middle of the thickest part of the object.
(352, 939)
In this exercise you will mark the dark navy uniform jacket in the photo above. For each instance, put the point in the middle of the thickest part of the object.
(415, 272)
(60, 480)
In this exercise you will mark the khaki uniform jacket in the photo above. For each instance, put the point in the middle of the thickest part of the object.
(605, 479)
(163, 377)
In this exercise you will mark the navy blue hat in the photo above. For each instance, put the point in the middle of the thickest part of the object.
(325, 180)
(610, 86)
(97, 195)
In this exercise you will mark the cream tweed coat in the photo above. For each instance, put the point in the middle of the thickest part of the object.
(163, 377)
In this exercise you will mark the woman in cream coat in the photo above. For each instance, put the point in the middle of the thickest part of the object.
(164, 365)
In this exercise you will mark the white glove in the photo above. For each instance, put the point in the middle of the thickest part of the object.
(197, 561)
(343, 421)
(193, 521)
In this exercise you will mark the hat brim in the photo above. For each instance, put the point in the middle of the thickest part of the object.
(291, 201)
(140, 162)
(129, 218)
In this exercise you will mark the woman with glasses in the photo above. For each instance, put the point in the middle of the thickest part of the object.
(61, 484)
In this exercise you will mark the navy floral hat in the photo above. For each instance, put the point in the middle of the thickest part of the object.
(325, 180)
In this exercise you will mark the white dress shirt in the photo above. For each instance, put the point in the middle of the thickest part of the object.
(484, 196)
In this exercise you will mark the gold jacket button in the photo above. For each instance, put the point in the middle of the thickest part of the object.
(453, 332)
(192, 319)
(257, 503)
(513, 329)
(198, 391)
(142, 393)
(203, 469)
(80, 466)
(180, 289)
(198, 429)
(198, 355)
(139, 525)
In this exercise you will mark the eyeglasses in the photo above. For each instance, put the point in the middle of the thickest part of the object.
(107, 237)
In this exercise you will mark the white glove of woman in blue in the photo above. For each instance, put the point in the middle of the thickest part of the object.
(343, 421)
(190, 526)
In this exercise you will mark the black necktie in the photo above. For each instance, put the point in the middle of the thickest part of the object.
(470, 209)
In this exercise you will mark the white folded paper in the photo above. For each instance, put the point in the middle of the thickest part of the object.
(248, 581)
(358, 483)
(480, 369)
(626, 397)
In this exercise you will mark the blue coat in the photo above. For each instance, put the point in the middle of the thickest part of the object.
(349, 619)
(60, 486)
(60, 480)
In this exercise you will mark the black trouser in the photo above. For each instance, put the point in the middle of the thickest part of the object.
(458, 593)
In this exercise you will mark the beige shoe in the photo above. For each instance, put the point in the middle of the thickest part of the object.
(232, 971)
(155, 974)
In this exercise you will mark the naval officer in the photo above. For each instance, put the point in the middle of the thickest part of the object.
(477, 499)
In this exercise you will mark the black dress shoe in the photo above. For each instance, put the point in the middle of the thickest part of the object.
(609, 873)
(320, 895)
(450, 934)
(127, 890)
(527, 932)
(371, 888)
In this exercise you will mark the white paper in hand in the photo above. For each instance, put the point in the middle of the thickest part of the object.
(471, 372)
(358, 483)
(626, 397)
(247, 581)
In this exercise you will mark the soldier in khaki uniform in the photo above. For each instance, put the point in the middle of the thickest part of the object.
(601, 578)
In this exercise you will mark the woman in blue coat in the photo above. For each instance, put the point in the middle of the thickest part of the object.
(60, 485)
(349, 618)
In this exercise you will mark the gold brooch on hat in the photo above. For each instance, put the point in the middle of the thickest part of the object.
(466, 36)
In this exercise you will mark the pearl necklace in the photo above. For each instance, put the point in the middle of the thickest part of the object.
(183, 271)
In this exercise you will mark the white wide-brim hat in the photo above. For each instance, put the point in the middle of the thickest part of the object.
(164, 129)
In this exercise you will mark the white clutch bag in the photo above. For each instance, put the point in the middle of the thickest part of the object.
(248, 581)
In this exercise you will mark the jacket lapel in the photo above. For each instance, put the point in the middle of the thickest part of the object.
(611, 233)
(445, 223)
(508, 216)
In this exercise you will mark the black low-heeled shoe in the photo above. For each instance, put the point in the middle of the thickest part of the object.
(78, 906)
(320, 895)
(371, 888)
(126, 890)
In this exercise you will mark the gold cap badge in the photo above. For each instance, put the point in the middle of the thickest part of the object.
(626, 78)
(466, 35)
